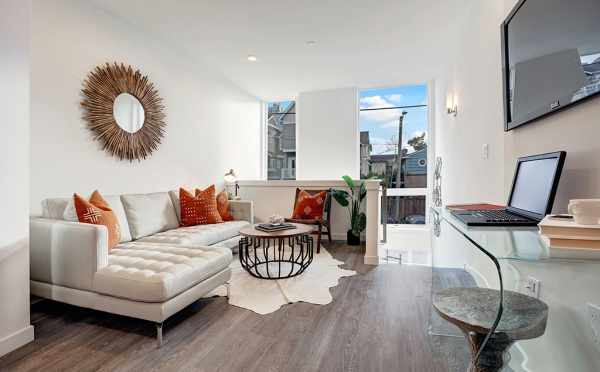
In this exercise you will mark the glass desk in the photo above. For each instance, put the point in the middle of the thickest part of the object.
(567, 281)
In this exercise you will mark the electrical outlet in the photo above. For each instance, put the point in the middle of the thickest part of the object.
(486, 151)
(532, 287)
(594, 311)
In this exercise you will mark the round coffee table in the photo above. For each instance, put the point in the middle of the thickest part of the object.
(276, 255)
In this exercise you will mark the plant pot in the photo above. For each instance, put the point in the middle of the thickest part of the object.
(352, 239)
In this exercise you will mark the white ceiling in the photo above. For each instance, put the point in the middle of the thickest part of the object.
(358, 43)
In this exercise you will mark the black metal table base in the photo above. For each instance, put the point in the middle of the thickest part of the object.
(276, 258)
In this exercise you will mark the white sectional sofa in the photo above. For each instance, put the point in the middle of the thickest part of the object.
(157, 269)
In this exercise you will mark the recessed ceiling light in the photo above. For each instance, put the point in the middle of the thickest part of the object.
(252, 58)
(311, 42)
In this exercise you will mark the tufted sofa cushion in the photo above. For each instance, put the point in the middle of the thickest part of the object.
(151, 272)
(199, 235)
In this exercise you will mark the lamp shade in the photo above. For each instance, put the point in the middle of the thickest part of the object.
(230, 176)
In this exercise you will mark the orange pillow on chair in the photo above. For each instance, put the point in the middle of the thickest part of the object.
(200, 209)
(223, 206)
(97, 212)
(309, 207)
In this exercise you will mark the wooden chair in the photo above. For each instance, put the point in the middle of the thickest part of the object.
(322, 223)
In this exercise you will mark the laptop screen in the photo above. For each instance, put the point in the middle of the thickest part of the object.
(535, 184)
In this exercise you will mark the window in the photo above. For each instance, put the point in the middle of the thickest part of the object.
(281, 140)
(393, 147)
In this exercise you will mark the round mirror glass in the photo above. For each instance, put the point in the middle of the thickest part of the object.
(128, 112)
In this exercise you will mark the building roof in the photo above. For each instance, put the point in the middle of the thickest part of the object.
(417, 154)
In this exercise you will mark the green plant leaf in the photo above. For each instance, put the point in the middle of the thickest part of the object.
(363, 192)
(341, 196)
(361, 222)
(349, 181)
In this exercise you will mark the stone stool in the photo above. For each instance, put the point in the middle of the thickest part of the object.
(474, 311)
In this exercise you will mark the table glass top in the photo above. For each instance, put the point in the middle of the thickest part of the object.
(516, 243)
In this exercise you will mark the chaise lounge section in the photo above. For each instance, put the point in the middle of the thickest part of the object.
(157, 269)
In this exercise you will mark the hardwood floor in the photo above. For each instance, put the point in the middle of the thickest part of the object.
(377, 322)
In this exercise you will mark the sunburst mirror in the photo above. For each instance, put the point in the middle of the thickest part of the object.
(124, 111)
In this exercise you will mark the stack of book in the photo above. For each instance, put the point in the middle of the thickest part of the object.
(565, 234)
(272, 227)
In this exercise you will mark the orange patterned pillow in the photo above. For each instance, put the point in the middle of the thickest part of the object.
(223, 206)
(200, 209)
(97, 211)
(309, 207)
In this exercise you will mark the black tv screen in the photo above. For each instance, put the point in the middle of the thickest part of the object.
(551, 57)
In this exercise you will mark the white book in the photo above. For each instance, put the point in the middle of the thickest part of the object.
(568, 229)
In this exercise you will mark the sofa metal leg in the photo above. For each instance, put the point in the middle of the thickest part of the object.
(228, 288)
(159, 334)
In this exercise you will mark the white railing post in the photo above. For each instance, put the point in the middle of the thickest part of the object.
(372, 233)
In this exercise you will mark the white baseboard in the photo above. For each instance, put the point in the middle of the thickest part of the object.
(371, 260)
(16, 340)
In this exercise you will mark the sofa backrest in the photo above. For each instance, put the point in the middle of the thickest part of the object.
(149, 214)
(55, 208)
(174, 194)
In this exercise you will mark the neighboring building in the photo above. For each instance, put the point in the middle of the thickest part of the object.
(365, 154)
(403, 209)
(414, 168)
(592, 71)
(281, 124)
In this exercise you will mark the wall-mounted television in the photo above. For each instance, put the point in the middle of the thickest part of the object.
(551, 57)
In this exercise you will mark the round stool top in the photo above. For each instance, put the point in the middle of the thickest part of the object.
(299, 230)
(475, 309)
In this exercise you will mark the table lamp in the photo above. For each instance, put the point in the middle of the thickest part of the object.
(230, 178)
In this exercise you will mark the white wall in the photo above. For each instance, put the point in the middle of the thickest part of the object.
(474, 77)
(15, 330)
(575, 130)
(327, 135)
(212, 125)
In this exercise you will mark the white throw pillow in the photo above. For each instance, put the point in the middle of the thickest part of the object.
(149, 214)
(70, 213)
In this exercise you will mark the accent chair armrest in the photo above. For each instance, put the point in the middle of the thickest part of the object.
(242, 210)
(67, 253)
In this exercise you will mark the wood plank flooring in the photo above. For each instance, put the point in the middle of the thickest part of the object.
(377, 322)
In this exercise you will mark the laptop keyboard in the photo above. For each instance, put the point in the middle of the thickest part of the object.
(501, 216)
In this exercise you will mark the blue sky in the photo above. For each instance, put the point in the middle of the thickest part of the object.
(383, 124)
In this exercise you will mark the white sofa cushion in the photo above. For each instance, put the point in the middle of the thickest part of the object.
(64, 209)
(199, 235)
(157, 272)
(174, 195)
(54, 208)
(149, 213)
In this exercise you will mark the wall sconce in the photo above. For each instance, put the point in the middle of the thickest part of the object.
(451, 106)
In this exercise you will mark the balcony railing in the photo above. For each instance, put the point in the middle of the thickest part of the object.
(282, 173)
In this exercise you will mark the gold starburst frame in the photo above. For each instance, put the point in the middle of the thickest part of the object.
(100, 90)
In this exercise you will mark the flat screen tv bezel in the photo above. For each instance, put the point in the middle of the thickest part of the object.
(510, 124)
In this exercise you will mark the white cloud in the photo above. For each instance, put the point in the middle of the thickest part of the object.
(394, 98)
(374, 102)
(386, 118)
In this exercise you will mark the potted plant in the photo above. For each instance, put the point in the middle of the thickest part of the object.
(352, 201)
